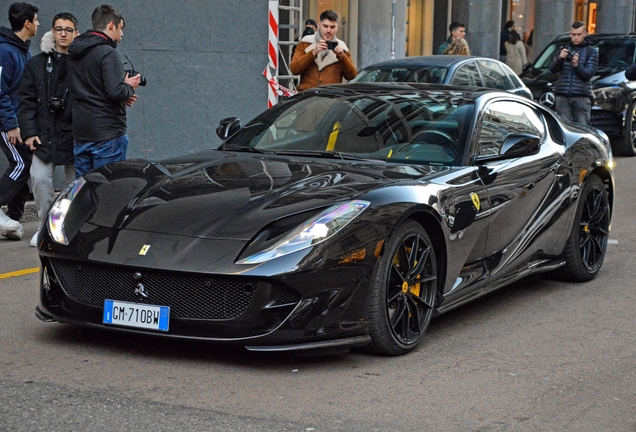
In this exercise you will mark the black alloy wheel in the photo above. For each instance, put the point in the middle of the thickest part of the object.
(626, 144)
(585, 248)
(404, 290)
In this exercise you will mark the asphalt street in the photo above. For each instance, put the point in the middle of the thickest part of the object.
(539, 355)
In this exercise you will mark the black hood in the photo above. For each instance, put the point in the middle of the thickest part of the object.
(230, 195)
(87, 41)
(8, 36)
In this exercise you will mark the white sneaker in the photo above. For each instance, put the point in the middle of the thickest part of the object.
(34, 239)
(15, 234)
(8, 224)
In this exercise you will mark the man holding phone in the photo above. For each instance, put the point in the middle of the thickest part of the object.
(322, 58)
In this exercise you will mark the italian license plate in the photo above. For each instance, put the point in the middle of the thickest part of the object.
(136, 315)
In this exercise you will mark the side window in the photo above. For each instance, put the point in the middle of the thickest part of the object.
(514, 79)
(494, 76)
(504, 118)
(466, 74)
(535, 124)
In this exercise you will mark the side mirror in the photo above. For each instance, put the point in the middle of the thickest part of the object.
(520, 144)
(228, 127)
(526, 67)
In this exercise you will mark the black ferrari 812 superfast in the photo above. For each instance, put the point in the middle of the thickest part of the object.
(348, 215)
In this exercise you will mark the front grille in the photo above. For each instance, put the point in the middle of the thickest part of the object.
(536, 93)
(607, 121)
(188, 295)
(284, 295)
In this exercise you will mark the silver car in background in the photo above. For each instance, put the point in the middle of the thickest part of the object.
(446, 69)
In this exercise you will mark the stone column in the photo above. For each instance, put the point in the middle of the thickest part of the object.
(552, 18)
(615, 16)
(374, 31)
(483, 25)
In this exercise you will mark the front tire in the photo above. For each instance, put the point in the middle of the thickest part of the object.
(626, 145)
(585, 248)
(403, 292)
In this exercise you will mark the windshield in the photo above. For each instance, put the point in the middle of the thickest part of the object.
(420, 74)
(420, 128)
(613, 54)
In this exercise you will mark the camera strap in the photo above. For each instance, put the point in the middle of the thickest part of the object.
(49, 69)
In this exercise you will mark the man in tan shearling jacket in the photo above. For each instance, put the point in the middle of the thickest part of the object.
(322, 58)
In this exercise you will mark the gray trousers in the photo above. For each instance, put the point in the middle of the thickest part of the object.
(574, 108)
(42, 183)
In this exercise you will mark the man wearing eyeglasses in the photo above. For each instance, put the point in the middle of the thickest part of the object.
(101, 91)
(14, 53)
(45, 113)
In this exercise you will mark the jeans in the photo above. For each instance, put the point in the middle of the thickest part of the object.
(42, 183)
(90, 154)
(574, 108)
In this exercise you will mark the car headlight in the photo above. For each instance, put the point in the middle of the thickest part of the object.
(605, 93)
(315, 230)
(59, 209)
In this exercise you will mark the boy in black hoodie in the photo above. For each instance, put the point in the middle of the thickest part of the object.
(14, 53)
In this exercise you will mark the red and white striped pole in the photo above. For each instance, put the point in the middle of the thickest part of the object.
(272, 50)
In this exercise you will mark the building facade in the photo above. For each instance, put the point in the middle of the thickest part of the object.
(204, 59)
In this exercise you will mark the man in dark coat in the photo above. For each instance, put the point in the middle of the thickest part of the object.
(101, 91)
(576, 65)
(14, 53)
(504, 37)
(44, 112)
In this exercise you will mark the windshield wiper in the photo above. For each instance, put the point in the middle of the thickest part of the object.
(323, 153)
(246, 149)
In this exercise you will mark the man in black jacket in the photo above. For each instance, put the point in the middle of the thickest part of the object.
(44, 112)
(101, 91)
(576, 65)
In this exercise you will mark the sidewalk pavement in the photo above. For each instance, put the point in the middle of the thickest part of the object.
(30, 213)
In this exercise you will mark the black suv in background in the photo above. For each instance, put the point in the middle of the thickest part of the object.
(614, 109)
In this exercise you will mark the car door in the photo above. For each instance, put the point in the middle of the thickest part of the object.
(525, 190)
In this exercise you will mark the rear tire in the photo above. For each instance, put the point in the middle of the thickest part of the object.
(626, 145)
(585, 248)
(403, 291)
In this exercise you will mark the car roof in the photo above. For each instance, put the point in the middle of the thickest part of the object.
(430, 60)
(400, 87)
(595, 36)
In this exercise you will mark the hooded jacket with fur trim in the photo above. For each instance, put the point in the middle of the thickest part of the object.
(96, 77)
(44, 77)
(324, 69)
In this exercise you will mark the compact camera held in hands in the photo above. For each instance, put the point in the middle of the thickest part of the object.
(132, 73)
(570, 54)
(331, 45)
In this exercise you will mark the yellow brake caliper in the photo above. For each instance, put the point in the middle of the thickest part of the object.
(415, 288)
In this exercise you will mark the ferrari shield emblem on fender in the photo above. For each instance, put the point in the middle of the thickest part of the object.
(144, 248)
(476, 201)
